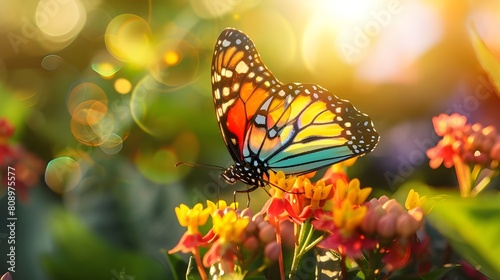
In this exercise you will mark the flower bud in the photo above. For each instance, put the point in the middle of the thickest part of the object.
(386, 226)
(251, 244)
(370, 221)
(495, 151)
(383, 199)
(247, 212)
(272, 251)
(374, 202)
(258, 218)
(267, 232)
(392, 206)
(406, 225)
(474, 140)
(418, 214)
(251, 227)
(6, 276)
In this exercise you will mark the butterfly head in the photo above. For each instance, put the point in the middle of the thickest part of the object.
(229, 176)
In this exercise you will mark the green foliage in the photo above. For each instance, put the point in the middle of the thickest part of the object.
(471, 227)
(487, 60)
(80, 255)
(437, 273)
(13, 108)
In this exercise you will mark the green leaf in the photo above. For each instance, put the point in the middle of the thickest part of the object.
(437, 273)
(471, 225)
(177, 265)
(489, 63)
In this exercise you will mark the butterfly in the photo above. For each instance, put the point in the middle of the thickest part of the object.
(267, 125)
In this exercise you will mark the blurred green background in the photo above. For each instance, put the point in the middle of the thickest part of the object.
(106, 96)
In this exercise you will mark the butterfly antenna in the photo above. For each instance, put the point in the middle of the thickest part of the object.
(192, 164)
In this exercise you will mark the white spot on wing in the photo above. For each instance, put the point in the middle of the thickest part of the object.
(236, 87)
(225, 105)
(225, 91)
(242, 67)
(226, 43)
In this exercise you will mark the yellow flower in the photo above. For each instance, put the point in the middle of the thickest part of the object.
(280, 184)
(351, 192)
(192, 218)
(221, 205)
(230, 227)
(316, 192)
(413, 200)
(347, 217)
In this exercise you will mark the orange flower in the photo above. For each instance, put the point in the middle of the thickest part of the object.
(278, 208)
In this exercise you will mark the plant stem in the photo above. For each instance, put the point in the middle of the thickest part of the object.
(463, 176)
(201, 270)
(483, 183)
(343, 267)
(280, 259)
(300, 231)
(312, 244)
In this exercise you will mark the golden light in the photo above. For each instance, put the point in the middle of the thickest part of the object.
(123, 86)
(105, 69)
(128, 38)
(171, 58)
(343, 11)
(60, 21)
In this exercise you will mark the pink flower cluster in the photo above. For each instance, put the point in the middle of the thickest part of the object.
(472, 144)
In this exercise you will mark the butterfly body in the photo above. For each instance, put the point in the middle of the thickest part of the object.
(266, 125)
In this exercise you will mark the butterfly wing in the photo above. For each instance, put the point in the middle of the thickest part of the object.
(296, 128)
(300, 128)
(240, 84)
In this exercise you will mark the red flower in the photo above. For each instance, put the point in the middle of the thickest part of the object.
(278, 208)
(443, 153)
(397, 255)
(188, 242)
(351, 246)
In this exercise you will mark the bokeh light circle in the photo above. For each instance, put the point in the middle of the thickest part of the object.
(92, 122)
(60, 21)
(105, 64)
(112, 145)
(128, 38)
(62, 174)
(153, 108)
(177, 65)
(85, 92)
(51, 62)
(209, 9)
(122, 86)
(158, 163)
(89, 112)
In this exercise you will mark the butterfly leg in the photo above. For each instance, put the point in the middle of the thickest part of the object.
(247, 191)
